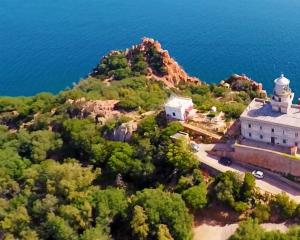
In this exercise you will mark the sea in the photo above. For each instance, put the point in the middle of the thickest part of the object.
(48, 45)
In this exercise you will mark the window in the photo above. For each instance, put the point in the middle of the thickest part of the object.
(279, 99)
(261, 136)
(284, 141)
(272, 130)
(296, 144)
(260, 127)
(250, 135)
(174, 114)
(249, 125)
(296, 134)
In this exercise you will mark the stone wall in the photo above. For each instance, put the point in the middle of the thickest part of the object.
(268, 159)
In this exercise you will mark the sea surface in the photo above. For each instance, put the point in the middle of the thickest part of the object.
(46, 45)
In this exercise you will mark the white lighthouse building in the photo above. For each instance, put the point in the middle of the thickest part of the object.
(283, 96)
(276, 121)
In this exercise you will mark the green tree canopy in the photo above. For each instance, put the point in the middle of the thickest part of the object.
(165, 208)
(196, 196)
(139, 224)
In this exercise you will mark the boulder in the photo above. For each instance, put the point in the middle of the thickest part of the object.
(123, 133)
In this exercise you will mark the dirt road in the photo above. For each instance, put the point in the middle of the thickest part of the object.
(210, 232)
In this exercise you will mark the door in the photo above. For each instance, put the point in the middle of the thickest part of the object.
(272, 140)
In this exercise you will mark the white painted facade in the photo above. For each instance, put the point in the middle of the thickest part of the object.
(276, 121)
(178, 107)
(271, 133)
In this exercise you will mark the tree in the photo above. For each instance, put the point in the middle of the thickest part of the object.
(262, 212)
(95, 233)
(165, 208)
(122, 161)
(12, 164)
(62, 180)
(16, 221)
(139, 224)
(100, 153)
(228, 188)
(121, 73)
(196, 196)
(148, 127)
(109, 204)
(164, 233)
(80, 135)
(180, 157)
(78, 215)
(141, 67)
(248, 230)
(172, 128)
(43, 206)
(57, 228)
(248, 186)
(286, 206)
(42, 142)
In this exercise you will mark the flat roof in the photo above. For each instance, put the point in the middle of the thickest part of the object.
(176, 101)
(261, 110)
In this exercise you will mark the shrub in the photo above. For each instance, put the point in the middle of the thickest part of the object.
(286, 206)
(196, 196)
(262, 212)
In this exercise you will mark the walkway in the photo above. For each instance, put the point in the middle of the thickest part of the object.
(201, 131)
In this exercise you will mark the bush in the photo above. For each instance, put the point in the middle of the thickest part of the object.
(262, 212)
(286, 206)
(240, 206)
(165, 208)
(196, 196)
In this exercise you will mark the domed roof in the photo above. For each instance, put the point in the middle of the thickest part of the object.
(282, 80)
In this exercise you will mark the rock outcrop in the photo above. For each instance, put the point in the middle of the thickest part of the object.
(174, 73)
(96, 109)
(123, 132)
(159, 65)
(244, 83)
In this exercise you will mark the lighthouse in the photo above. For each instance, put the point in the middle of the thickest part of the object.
(282, 95)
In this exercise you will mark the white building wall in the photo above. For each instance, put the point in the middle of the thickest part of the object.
(175, 112)
(264, 132)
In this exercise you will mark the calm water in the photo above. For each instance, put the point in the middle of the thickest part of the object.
(46, 45)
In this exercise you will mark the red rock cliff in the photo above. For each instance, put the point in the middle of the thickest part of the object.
(173, 74)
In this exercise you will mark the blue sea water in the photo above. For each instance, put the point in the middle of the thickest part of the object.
(46, 45)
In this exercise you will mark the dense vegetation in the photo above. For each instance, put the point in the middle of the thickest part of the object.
(62, 179)
(251, 230)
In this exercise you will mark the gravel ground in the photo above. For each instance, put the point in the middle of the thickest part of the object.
(210, 232)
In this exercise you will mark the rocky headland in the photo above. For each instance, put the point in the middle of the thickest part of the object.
(149, 58)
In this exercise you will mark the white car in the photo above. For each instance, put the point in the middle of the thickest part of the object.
(258, 174)
(195, 147)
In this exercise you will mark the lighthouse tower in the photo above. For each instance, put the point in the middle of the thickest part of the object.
(282, 96)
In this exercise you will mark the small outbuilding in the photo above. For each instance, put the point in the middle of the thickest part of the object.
(179, 108)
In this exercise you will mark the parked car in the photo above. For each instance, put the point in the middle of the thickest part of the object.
(258, 174)
(195, 147)
(225, 161)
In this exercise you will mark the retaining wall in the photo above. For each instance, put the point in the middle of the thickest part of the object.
(267, 159)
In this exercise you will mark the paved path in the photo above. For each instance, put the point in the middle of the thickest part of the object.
(269, 184)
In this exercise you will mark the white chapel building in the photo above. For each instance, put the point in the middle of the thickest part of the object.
(179, 108)
(276, 121)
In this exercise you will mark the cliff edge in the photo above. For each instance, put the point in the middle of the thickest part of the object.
(147, 58)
